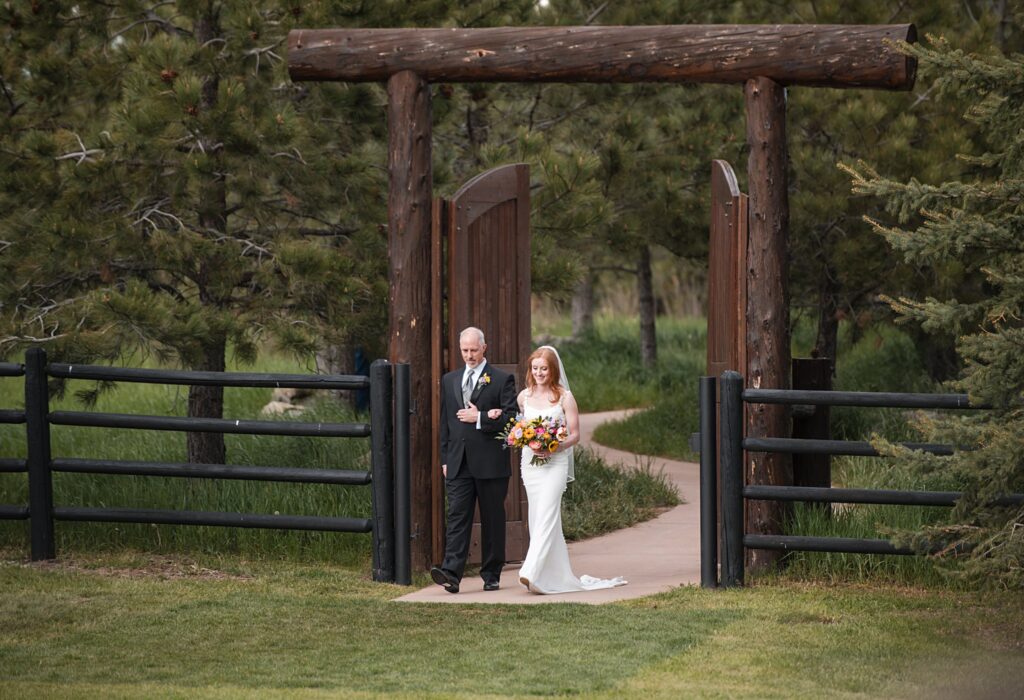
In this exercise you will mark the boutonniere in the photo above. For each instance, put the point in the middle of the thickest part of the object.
(485, 379)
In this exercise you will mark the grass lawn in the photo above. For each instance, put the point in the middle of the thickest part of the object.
(135, 625)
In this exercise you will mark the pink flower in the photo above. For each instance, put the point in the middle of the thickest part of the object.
(534, 445)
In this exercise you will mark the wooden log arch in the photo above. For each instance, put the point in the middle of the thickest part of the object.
(764, 59)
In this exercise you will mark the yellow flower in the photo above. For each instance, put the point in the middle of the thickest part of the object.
(552, 446)
(529, 433)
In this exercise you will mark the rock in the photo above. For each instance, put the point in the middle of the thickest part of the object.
(281, 408)
(290, 395)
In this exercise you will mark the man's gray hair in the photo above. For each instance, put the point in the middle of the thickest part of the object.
(473, 329)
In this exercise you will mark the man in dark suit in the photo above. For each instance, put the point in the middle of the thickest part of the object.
(475, 466)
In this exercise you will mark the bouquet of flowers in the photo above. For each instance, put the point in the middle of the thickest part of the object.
(541, 434)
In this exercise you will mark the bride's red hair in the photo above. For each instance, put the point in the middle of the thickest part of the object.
(555, 377)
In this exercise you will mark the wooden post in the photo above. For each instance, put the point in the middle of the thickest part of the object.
(40, 479)
(409, 316)
(382, 465)
(812, 422)
(768, 354)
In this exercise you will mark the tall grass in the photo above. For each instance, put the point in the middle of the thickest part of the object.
(604, 498)
(606, 373)
(601, 500)
(884, 358)
(868, 521)
(97, 490)
(880, 359)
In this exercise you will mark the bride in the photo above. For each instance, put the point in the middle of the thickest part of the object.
(546, 568)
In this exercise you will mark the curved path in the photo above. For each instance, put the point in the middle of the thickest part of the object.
(654, 556)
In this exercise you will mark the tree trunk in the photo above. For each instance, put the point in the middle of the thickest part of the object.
(477, 122)
(208, 401)
(645, 290)
(583, 306)
(339, 359)
(825, 345)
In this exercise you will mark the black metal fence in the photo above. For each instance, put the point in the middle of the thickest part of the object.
(388, 477)
(733, 490)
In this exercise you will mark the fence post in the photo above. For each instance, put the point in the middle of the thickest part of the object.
(812, 422)
(732, 479)
(708, 485)
(381, 413)
(40, 479)
(403, 500)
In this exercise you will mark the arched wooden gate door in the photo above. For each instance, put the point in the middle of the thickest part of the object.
(481, 263)
(727, 274)
(727, 278)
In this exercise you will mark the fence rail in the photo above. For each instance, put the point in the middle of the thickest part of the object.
(724, 458)
(388, 476)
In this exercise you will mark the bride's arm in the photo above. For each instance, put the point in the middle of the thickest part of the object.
(572, 422)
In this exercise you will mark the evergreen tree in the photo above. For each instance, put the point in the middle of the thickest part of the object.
(978, 223)
(164, 188)
(840, 265)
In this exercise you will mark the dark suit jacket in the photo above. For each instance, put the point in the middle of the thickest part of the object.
(483, 453)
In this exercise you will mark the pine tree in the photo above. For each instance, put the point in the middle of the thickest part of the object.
(164, 189)
(978, 223)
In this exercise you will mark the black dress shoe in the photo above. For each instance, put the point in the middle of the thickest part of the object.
(443, 578)
(490, 585)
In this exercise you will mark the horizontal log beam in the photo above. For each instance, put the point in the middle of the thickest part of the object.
(842, 56)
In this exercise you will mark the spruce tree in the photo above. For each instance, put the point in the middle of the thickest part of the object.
(976, 222)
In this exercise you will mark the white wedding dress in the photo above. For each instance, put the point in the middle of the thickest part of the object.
(546, 568)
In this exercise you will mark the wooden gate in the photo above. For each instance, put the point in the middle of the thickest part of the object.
(481, 263)
(727, 279)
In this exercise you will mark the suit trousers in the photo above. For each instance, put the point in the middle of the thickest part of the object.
(464, 492)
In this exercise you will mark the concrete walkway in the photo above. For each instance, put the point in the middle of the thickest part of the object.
(654, 556)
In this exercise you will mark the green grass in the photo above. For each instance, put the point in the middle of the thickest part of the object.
(663, 430)
(606, 374)
(604, 498)
(131, 625)
(605, 371)
(193, 494)
(869, 522)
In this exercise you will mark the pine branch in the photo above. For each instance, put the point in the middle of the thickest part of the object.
(14, 107)
(265, 50)
(151, 17)
(84, 154)
(147, 216)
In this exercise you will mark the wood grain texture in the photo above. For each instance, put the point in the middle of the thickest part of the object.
(488, 286)
(768, 337)
(409, 293)
(843, 56)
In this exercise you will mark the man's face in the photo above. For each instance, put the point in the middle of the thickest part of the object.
(472, 349)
